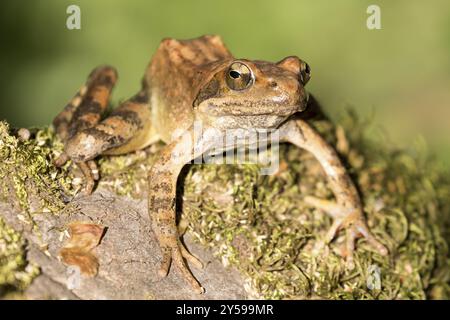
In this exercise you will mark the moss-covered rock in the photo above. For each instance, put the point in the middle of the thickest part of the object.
(30, 180)
(31, 184)
(260, 224)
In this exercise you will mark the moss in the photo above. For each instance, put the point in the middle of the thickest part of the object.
(260, 224)
(31, 184)
(31, 181)
(15, 272)
(126, 175)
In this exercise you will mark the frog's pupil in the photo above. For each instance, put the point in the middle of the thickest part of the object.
(307, 69)
(234, 74)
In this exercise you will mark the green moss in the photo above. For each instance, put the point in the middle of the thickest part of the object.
(31, 184)
(28, 172)
(127, 174)
(15, 272)
(260, 224)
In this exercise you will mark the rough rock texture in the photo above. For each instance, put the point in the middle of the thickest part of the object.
(128, 255)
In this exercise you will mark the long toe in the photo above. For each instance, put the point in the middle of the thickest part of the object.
(186, 273)
(165, 261)
(190, 258)
(61, 160)
(331, 234)
(350, 247)
(362, 228)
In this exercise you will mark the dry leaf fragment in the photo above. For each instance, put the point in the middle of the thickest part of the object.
(77, 251)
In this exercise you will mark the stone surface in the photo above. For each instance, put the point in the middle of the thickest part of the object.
(128, 253)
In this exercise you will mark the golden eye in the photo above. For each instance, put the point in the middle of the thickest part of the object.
(239, 76)
(305, 72)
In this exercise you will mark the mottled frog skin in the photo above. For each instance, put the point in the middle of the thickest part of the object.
(200, 80)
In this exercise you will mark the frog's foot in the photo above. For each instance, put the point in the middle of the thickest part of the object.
(176, 254)
(88, 168)
(61, 160)
(90, 173)
(352, 220)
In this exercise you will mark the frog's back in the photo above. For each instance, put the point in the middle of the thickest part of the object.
(175, 72)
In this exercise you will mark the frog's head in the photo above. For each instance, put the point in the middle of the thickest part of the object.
(243, 93)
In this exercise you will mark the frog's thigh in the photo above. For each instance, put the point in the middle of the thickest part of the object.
(86, 108)
(134, 120)
(127, 129)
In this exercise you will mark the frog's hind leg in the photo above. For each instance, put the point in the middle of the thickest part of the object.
(129, 127)
(85, 109)
(125, 130)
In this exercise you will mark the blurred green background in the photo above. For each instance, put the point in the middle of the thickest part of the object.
(400, 74)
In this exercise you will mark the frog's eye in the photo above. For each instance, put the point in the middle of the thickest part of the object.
(297, 66)
(239, 76)
(305, 72)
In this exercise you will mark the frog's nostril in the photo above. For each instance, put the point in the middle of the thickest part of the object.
(273, 84)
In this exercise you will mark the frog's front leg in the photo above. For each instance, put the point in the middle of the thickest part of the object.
(162, 198)
(347, 211)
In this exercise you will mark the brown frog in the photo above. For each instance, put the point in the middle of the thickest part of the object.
(199, 80)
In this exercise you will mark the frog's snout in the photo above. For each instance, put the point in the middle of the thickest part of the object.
(295, 93)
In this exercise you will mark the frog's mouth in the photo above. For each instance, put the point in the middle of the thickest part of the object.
(266, 110)
(263, 121)
(283, 107)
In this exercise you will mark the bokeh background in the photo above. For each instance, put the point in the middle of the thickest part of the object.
(399, 76)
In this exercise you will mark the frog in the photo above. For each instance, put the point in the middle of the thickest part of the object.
(192, 81)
